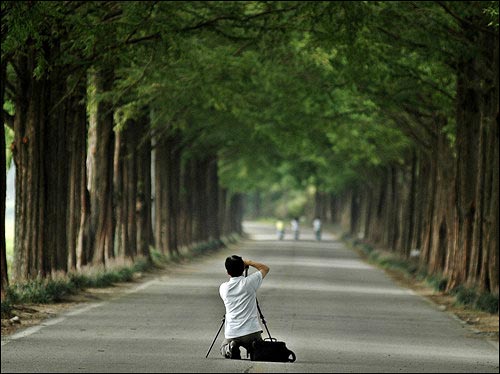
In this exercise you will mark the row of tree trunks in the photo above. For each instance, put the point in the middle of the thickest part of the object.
(419, 210)
(487, 224)
(438, 204)
(167, 193)
(125, 182)
(190, 206)
(235, 213)
(77, 228)
(81, 204)
(57, 126)
(489, 229)
(444, 200)
(46, 230)
(30, 128)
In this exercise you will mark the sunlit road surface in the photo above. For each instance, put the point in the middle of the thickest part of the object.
(336, 312)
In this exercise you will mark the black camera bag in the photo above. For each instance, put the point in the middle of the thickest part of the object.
(271, 350)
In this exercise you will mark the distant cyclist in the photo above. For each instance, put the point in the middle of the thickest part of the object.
(280, 229)
(295, 228)
(317, 228)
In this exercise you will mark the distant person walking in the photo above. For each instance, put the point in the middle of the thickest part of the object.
(280, 229)
(295, 228)
(317, 228)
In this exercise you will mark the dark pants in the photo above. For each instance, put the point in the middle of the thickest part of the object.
(318, 235)
(244, 341)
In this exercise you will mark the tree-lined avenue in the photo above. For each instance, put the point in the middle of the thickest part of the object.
(336, 312)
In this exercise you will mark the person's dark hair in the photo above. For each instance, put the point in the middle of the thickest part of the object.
(235, 266)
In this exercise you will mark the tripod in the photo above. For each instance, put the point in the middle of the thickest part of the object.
(260, 312)
(224, 320)
(220, 328)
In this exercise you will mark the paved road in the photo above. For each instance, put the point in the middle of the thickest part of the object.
(336, 312)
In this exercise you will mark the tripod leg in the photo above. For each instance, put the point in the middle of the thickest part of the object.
(263, 320)
(220, 328)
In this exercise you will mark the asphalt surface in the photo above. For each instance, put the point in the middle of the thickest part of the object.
(337, 313)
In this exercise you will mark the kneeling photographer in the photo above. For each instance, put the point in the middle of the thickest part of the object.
(239, 295)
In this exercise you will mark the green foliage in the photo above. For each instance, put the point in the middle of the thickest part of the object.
(207, 247)
(437, 281)
(158, 258)
(46, 291)
(8, 107)
(141, 265)
(491, 11)
(471, 297)
(310, 90)
(6, 309)
(465, 295)
(487, 302)
(40, 291)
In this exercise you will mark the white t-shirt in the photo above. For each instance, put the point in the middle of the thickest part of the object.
(239, 296)
(317, 225)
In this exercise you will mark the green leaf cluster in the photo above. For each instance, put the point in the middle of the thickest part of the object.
(288, 94)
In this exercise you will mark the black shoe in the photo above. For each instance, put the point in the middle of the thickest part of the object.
(234, 348)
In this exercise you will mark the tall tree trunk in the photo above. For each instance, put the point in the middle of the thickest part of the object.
(392, 225)
(56, 169)
(369, 212)
(467, 143)
(411, 212)
(223, 211)
(381, 198)
(442, 230)
(161, 166)
(213, 199)
(173, 181)
(133, 189)
(186, 210)
(167, 187)
(335, 208)
(118, 194)
(28, 152)
(41, 155)
(129, 197)
(3, 182)
(102, 220)
(78, 210)
(200, 210)
(422, 199)
(144, 221)
(355, 212)
(236, 213)
(429, 177)
(125, 174)
(488, 272)
(490, 262)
